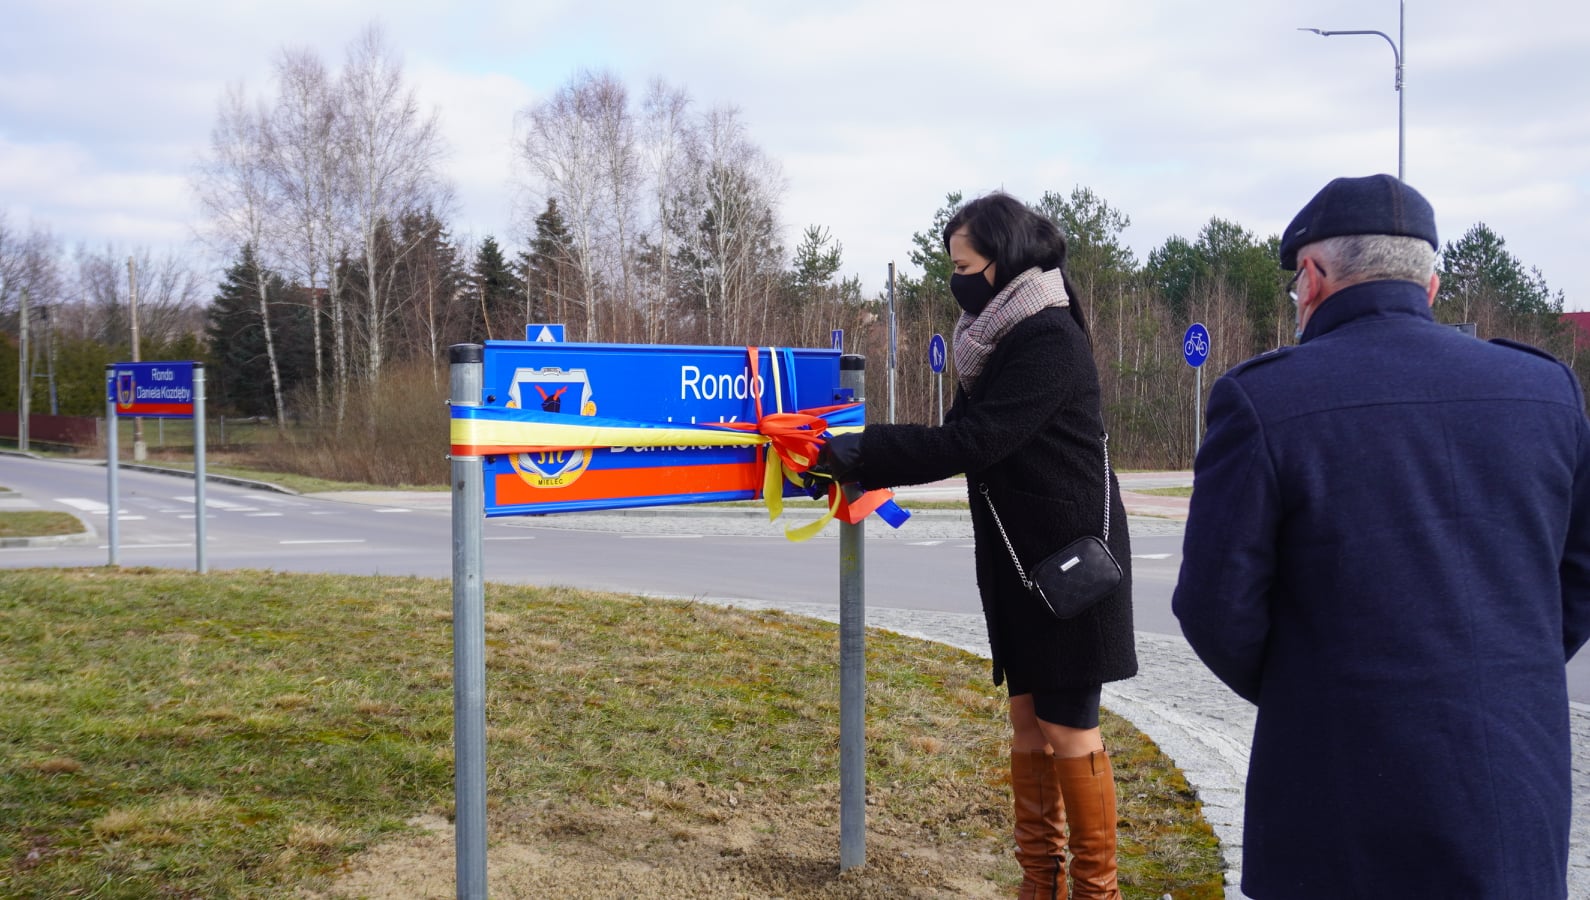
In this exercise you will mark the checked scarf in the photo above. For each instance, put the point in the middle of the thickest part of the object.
(976, 336)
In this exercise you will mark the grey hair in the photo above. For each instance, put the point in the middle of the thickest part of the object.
(1374, 257)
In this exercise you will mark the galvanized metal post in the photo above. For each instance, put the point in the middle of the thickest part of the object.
(469, 638)
(24, 373)
(892, 338)
(111, 452)
(852, 665)
(199, 527)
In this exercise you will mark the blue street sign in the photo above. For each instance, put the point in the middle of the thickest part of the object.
(544, 334)
(836, 339)
(159, 390)
(621, 385)
(936, 353)
(1195, 345)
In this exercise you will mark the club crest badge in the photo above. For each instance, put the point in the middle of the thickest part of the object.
(552, 390)
(126, 389)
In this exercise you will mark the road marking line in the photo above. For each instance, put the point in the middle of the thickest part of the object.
(327, 541)
(84, 504)
(264, 515)
(659, 537)
(210, 503)
(529, 537)
(394, 509)
(926, 543)
(1151, 556)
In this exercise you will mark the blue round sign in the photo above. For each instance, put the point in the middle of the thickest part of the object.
(1195, 345)
(936, 353)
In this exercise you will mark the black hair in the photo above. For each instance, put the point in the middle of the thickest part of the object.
(1006, 231)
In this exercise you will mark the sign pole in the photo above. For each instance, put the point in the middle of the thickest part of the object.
(938, 353)
(852, 664)
(200, 529)
(469, 638)
(891, 343)
(111, 452)
(1195, 348)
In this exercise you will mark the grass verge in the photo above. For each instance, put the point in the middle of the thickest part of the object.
(243, 734)
(37, 523)
(1166, 491)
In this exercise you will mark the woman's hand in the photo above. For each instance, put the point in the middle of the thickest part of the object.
(838, 461)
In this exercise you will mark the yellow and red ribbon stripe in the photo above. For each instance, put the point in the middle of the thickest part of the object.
(795, 438)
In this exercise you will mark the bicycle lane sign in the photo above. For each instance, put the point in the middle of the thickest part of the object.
(1195, 345)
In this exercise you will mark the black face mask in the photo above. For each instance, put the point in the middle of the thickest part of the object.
(972, 291)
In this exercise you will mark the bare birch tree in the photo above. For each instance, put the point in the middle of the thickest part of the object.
(309, 167)
(735, 239)
(392, 149)
(622, 170)
(240, 196)
(562, 145)
(665, 131)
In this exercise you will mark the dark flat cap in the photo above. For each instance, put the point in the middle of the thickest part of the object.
(1375, 204)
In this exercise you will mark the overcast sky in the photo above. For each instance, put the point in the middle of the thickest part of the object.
(1172, 111)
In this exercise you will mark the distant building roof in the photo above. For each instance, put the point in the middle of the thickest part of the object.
(1581, 329)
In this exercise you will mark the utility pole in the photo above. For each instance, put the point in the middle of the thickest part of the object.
(140, 450)
(24, 374)
(49, 356)
(891, 343)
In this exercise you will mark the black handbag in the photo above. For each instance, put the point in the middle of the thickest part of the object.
(1069, 581)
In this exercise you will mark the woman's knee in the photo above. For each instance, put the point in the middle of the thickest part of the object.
(1025, 728)
(1068, 742)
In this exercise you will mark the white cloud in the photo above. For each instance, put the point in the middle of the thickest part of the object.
(1172, 112)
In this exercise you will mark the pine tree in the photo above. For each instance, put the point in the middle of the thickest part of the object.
(499, 293)
(240, 381)
(551, 271)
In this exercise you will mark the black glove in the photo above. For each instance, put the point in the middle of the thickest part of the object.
(839, 460)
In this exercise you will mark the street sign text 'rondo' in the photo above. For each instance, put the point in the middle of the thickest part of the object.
(695, 386)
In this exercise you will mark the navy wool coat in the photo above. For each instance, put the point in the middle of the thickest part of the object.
(1029, 429)
(1388, 551)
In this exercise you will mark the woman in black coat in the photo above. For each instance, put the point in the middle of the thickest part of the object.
(1026, 425)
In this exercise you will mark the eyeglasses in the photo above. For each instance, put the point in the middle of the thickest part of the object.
(1291, 286)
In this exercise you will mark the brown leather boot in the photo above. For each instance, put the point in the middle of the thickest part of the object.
(1087, 784)
(1040, 825)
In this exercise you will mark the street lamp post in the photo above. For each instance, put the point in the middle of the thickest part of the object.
(1396, 53)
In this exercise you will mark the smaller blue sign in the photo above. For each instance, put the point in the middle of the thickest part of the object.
(937, 353)
(544, 334)
(158, 390)
(836, 339)
(1195, 345)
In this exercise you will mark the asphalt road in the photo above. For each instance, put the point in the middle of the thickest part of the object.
(680, 552)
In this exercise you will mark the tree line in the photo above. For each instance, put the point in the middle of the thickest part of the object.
(652, 221)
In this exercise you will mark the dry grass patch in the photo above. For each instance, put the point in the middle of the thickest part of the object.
(58, 766)
(278, 743)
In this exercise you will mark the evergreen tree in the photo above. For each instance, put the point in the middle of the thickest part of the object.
(1174, 269)
(498, 292)
(1477, 270)
(551, 269)
(817, 260)
(240, 379)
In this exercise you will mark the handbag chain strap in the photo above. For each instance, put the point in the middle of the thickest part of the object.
(1021, 572)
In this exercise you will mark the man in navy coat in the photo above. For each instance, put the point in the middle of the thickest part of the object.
(1388, 552)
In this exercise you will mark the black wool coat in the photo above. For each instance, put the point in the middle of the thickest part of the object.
(1029, 429)
(1388, 551)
